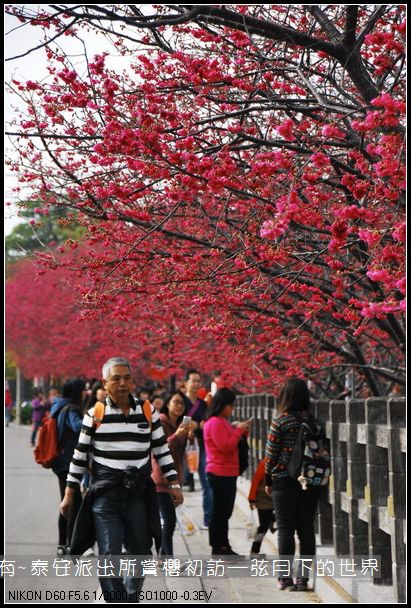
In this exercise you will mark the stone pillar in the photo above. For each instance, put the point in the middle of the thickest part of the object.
(397, 486)
(258, 429)
(338, 481)
(357, 477)
(251, 410)
(376, 490)
(325, 514)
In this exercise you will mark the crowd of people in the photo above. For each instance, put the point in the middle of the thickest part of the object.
(131, 459)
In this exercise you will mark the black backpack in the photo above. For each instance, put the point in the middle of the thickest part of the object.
(309, 462)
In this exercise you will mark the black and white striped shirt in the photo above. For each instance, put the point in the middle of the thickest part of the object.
(121, 441)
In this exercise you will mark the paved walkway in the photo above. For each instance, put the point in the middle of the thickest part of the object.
(32, 499)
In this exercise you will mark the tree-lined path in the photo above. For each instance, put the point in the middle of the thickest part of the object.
(31, 531)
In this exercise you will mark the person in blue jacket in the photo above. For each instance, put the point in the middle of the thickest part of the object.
(69, 413)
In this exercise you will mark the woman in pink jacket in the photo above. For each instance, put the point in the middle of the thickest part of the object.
(221, 443)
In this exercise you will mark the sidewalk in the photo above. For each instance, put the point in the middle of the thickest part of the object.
(235, 590)
(31, 511)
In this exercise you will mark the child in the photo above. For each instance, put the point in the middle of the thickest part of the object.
(258, 498)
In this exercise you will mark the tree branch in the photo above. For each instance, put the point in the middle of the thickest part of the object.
(327, 26)
(351, 17)
(50, 136)
(44, 44)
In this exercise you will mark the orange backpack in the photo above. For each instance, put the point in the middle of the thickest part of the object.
(47, 448)
(99, 408)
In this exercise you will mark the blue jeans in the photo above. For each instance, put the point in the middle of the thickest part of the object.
(7, 415)
(207, 491)
(121, 515)
(36, 426)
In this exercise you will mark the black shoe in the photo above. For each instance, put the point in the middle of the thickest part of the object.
(228, 552)
(223, 551)
(285, 584)
(301, 584)
(62, 550)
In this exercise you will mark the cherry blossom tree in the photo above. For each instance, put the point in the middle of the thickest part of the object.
(48, 336)
(243, 178)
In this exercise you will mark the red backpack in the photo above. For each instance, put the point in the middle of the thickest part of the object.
(47, 448)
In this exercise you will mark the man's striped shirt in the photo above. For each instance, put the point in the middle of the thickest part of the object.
(121, 441)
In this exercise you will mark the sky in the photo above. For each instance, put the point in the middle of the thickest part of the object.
(18, 40)
(13, 44)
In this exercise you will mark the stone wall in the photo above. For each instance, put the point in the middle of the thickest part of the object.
(362, 512)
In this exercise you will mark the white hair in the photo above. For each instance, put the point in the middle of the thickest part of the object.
(111, 363)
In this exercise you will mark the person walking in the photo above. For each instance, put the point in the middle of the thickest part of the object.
(38, 411)
(258, 499)
(53, 394)
(69, 413)
(171, 417)
(158, 402)
(219, 381)
(294, 506)
(124, 504)
(197, 408)
(98, 393)
(8, 404)
(221, 444)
